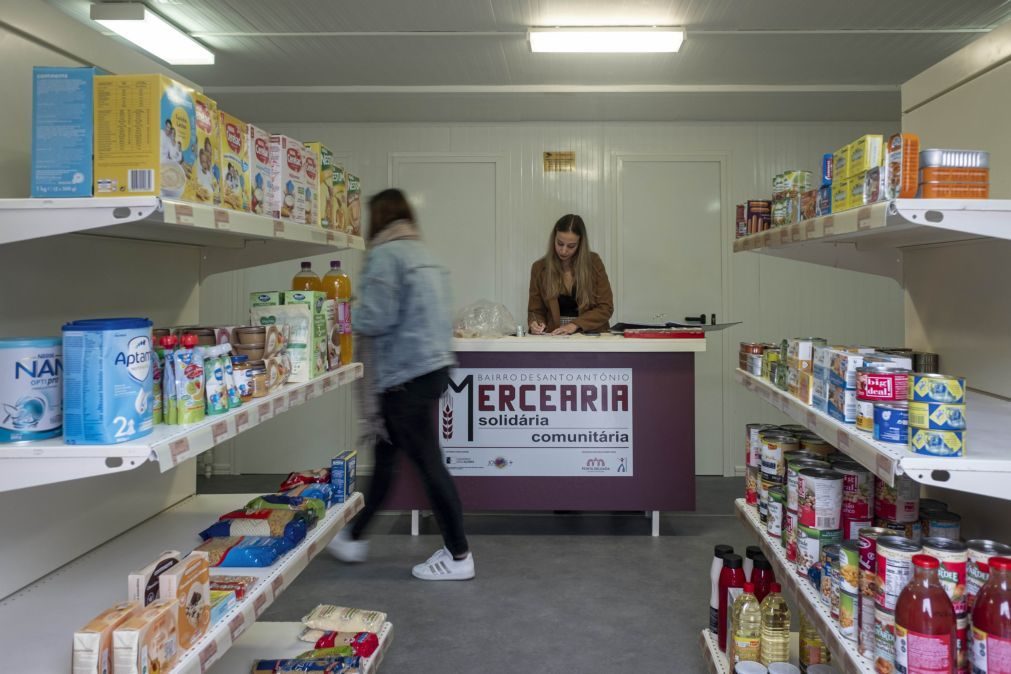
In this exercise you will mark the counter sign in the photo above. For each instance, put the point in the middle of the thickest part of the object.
(538, 422)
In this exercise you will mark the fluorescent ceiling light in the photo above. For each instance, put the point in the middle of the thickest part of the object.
(606, 40)
(150, 32)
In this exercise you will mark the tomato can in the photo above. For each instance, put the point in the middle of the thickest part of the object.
(936, 388)
(849, 567)
(884, 641)
(891, 422)
(865, 415)
(943, 525)
(937, 416)
(849, 615)
(777, 505)
(809, 544)
(796, 462)
(937, 443)
(977, 570)
(877, 383)
(954, 559)
(775, 444)
(828, 560)
(858, 490)
(790, 534)
(900, 503)
(751, 486)
(851, 527)
(819, 496)
(894, 568)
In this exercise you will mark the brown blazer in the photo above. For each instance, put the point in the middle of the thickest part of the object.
(545, 309)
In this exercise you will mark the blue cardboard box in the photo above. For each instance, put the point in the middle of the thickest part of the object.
(62, 131)
(343, 472)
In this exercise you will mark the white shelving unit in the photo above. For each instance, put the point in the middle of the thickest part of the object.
(716, 660)
(870, 239)
(50, 461)
(985, 469)
(70, 597)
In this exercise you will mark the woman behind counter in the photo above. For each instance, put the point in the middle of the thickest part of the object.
(569, 290)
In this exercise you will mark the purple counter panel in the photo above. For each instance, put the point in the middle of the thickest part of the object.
(663, 424)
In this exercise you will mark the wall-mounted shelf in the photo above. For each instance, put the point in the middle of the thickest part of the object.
(231, 239)
(99, 579)
(50, 461)
(716, 660)
(870, 239)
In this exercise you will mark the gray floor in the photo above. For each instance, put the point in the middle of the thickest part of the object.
(556, 593)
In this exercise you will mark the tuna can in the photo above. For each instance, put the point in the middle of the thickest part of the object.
(911, 530)
(790, 534)
(751, 486)
(943, 525)
(894, 568)
(937, 443)
(877, 383)
(774, 447)
(900, 503)
(819, 498)
(865, 415)
(977, 571)
(777, 504)
(937, 416)
(858, 490)
(829, 560)
(31, 389)
(954, 558)
(849, 567)
(936, 388)
(884, 641)
(849, 615)
(794, 464)
(809, 544)
(891, 423)
(925, 362)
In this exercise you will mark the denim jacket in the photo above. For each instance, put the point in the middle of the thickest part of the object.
(405, 305)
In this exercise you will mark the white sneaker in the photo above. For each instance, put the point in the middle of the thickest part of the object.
(442, 566)
(348, 550)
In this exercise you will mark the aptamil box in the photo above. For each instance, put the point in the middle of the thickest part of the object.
(145, 136)
(287, 175)
(339, 214)
(205, 179)
(62, 128)
(324, 191)
(310, 161)
(259, 170)
(343, 473)
(234, 185)
(355, 204)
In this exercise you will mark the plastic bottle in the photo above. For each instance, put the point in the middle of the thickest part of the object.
(337, 285)
(306, 279)
(750, 553)
(714, 577)
(813, 650)
(991, 620)
(234, 396)
(775, 627)
(762, 577)
(731, 585)
(925, 625)
(746, 627)
(170, 407)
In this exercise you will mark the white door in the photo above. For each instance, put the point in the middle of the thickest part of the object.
(668, 229)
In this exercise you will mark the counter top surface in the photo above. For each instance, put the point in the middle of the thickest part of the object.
(581, 344)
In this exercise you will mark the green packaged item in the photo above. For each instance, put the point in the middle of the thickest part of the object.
(321, 653)
(313, 506)
(189, 370)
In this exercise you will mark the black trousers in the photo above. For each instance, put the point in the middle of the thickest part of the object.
(410, 412)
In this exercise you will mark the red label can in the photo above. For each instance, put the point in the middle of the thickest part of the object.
(954, 557)
(879, 384)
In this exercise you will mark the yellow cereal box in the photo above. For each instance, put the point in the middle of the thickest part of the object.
(340, 200)
(206, 176)
(311, 179)
(324, 191)
(355, 204)
(259, 170)
(145, 136)
(841, 163)
(234, 185)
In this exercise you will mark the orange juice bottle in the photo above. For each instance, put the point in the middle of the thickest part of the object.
(337, 285)
(306, 279)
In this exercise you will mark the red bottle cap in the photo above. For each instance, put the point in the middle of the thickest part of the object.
(926, 562)
(189, 340)
(1000, 563)
(775, 587)
(169, 341)
(749, 587)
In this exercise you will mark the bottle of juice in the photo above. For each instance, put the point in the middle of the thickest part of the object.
(730, 587)
(775, 627)
(745, 627)
(991, 620)
(762, 576)
(306, 279)
(925, 626)
(337, 285)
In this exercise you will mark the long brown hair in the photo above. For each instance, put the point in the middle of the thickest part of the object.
(582, 271)
(387, 207)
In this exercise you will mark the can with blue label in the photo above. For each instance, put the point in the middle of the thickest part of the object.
(891, 423)
(937, 416)
(31, 389)
(107, 381)
(937, 443)
(936, 388)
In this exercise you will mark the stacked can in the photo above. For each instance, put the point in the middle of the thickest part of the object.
(867, 634)
(953, 556)
(894, 563)
(937, 419)
(819, 516)
(978, 567)
(770, 362)
(829, 584)
(800, 363)
(795, 462)
(936, 521)
(881, 384)
(753, 460)
(820, 377)
(847, 589)
(858, 498)
(898, 508)
(776, 443)
(749, 358)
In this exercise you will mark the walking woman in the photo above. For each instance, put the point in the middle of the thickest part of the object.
(405, 329)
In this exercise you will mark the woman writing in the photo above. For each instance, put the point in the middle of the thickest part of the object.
(569, 290)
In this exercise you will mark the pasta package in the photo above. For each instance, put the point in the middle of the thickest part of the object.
(313, 506)
(244, 551)
(341, 619)
(149, 641)
(323, 491)
(189, 582)
(290, 524)
(92, 651)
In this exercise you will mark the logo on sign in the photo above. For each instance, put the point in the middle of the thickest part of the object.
(261, 150)
(294, 159)
(499, 462)
(596, 465)
(233, 137)
(879, 387)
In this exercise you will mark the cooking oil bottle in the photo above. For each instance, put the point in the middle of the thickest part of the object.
(775, 643)
(306, 279)
(813, 650)
(337, 285)
(745, 640)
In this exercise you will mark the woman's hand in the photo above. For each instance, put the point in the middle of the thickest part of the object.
(567, 329)
(536, 328)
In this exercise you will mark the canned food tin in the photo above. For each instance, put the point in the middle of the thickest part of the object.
(851, 527)
(858, 490)
(777, 504)
(868, 586)
(900, 503)
(943, 525)
(849, 567)
(878, 383)
(790, 525)
(819, 496)
(932, 505)
(884, 641)
(936, 388)
(849, 615)
(774, 447)
(795, 464)
(753, 443)
(809, 544)
(751, 486)
(925, 362)
(894, 568)
(891, 422)
(752, 347)
(865, 415)
(911, 530)
(754, 364)
(770, 362)
(954, 559)
(829, 558)
(977, 571)
(937, 443)
(763, 499)
(794, 429)
(815, 445)
(937, 416)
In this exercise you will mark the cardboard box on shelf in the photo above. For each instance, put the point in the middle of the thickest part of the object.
(144, 586)
(354, 204)
(311, 181)
(324, 192)
(260, 182)
(339, 215)
(344, 473)
(204, 185)
(865, 153)
(287, 178)
(235, 189)
(189, 583)
(62, 131)
(149, 641)
(308, 341)
(92, 650)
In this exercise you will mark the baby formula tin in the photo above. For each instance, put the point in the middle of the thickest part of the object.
(107, 380)
(31, 389)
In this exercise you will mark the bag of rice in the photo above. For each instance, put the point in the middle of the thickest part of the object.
(341, 619)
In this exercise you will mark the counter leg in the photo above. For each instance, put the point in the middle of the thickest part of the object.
(415, 522)
(656, 522)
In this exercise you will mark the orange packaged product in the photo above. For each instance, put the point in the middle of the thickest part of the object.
(903, 165)
(945, 190)
(940, 174)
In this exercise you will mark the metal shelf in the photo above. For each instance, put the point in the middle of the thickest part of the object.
(232, 239)
(97, 580)
(870, 239)
(715, 659)
(984, 470)
(51, 461)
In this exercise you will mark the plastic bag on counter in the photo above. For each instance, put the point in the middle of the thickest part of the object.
(342, 619)
(323, 491)
(484, 319)
(244, 551)
(289, 524)
(314, 506)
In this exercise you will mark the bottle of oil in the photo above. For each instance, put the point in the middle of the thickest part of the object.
(775, 627)
(745, 627)
(337, 285)
(306, 279)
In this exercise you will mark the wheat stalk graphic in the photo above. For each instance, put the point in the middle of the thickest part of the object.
(447, 417)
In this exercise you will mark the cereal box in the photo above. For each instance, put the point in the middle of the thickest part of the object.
(287, 176)
(62, 128)
(865, 152)
(841, 164)
(189, 582)
(324, 191)
(354, 203)
(148, 642)
(206, 176)
(145, 136)
(92, 650)
(340, 200)
(343, 472)
(259, 170)
(310, 159)
(234, 186)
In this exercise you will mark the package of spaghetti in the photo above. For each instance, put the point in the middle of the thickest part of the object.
(342, 619)
(232, 551)
(305, 477)
(314, 506)
(322, 653)
(323, 491)
(289, 524)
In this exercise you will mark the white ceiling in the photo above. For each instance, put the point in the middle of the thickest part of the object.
(467, 60)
